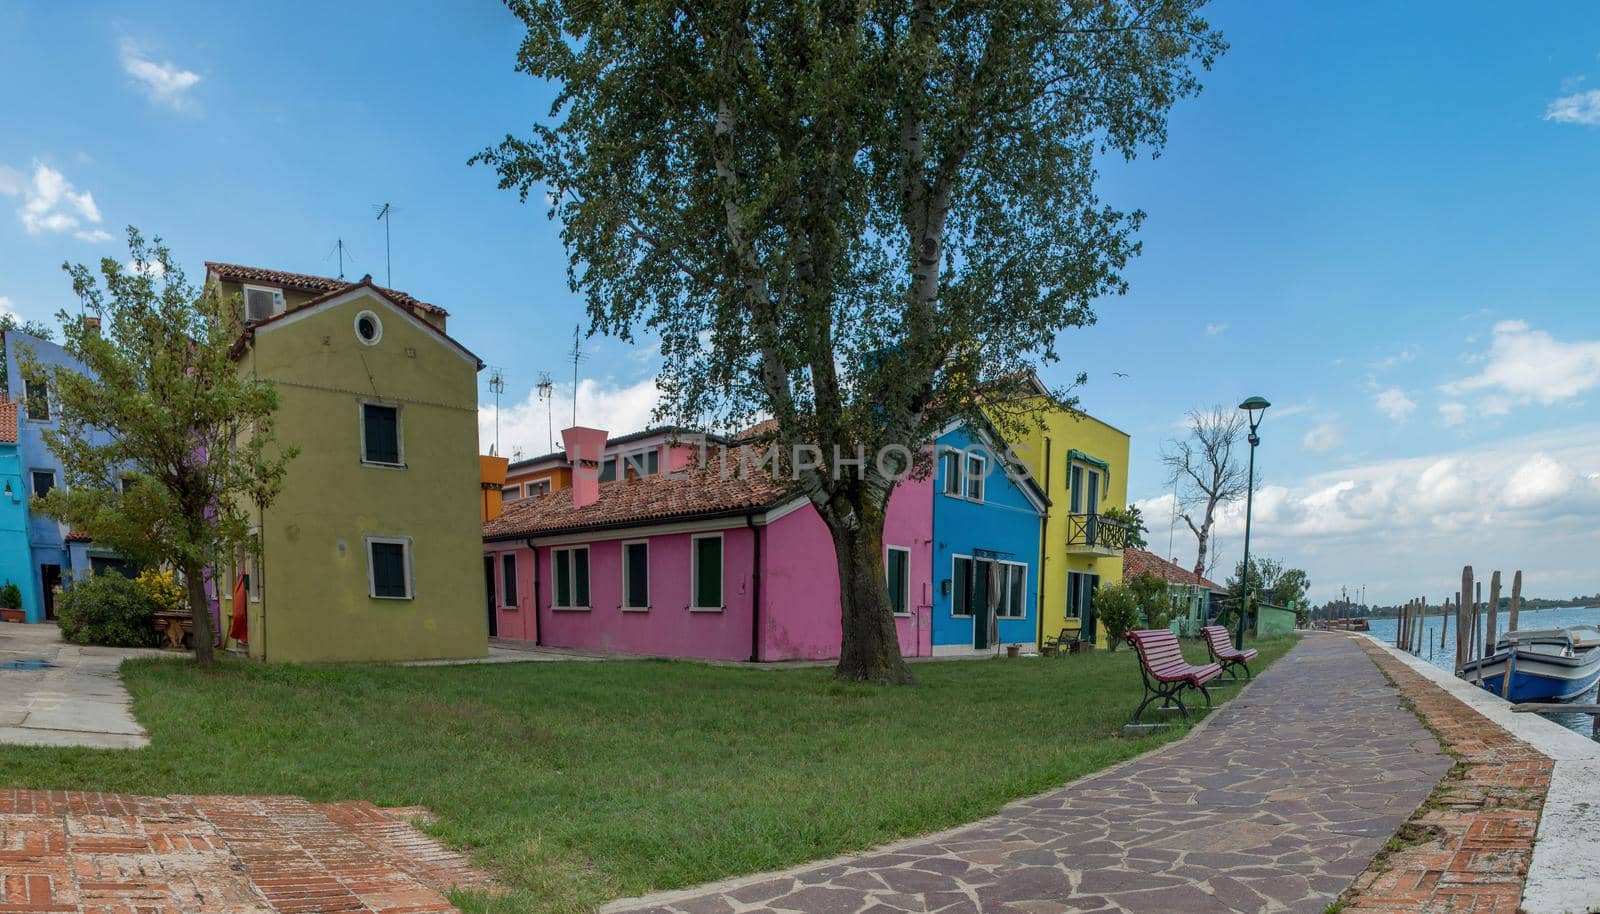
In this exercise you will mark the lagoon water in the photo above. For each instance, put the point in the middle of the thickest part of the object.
(1444, 656)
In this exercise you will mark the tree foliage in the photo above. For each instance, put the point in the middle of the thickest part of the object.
(165, 444)
(1133, 518)
(1117, 608)
(856, 218)
(10, 322)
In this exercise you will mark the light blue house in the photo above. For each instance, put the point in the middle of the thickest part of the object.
(53, 554)
(987, 516)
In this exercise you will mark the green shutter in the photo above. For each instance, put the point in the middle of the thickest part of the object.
(559, 558)
(580, 574)
(708, 573)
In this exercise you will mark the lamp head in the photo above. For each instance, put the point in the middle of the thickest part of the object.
(1254, 407)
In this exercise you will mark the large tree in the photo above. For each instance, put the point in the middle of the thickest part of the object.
(161, 402)
(851, 217)
(10, 322)
(1206, 474)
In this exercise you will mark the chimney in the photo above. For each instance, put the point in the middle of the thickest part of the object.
(585, 447)
(91, 325)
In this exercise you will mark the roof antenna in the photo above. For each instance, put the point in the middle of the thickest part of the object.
(497, 383)
(547, 393)
(577, 355)
(388, 266)
(340, 248)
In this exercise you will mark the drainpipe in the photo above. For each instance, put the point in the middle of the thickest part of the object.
(1044, 539)
(535, 550)
(755, 589)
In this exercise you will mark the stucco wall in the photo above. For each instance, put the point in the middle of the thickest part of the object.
(314, 602)
(16, 559)
(1005, 522)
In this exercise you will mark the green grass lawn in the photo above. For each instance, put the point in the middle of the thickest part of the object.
(580, 782)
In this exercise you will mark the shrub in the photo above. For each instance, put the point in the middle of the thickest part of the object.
(10, 596)
(1117, 608)
(162, 589)
(106, 608)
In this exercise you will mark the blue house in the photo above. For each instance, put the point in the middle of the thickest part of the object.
(987, 516)
(53, 554)
(15, 562)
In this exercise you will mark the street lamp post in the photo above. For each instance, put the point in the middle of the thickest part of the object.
(1254, 408)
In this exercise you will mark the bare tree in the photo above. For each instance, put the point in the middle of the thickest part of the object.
(1204, 473)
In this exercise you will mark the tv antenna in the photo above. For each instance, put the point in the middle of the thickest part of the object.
(384, 212)
(577, 355)
(343, 250)
(547, 393)
(497, 383)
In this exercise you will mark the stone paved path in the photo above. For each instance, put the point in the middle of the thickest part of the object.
(1274, 806)
(58, 694)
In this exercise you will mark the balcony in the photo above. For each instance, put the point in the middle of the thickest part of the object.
(1095, 535)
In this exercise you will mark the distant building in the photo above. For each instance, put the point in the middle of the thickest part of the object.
(637, 454)
(1194, 598)
(371, 550)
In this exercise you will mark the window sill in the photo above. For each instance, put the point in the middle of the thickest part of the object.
(707, 609)
(509, 609)
(383, 466)
(634, 609)
(377, 597)
(569, 609)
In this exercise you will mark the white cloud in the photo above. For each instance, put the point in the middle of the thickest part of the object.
(1215, 329)
(527, 425)
(1395, 404)
(164, 83)
(1452, 413)
(7, 310)
(1577, 108)
(51, 204)
(1400, 358)
(150, 268)
(1325, 437)
(1524, 365)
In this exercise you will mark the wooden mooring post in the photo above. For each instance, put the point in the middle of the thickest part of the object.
(1494, 614)
(1516, 600)
(1462, 618)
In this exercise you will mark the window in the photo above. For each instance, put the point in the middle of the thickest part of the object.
(1085, 489)
(126, 482)
(43, 482)
(508, 579)
(706, 573)
(636, 575)
(261, 303)
(951, 469)
(569, 568)
(897, 567)
(977, 469)
(538, 487)
(608, 470)
(380, 434)
(643, 463)
(389, 567)
(961, 587)
(369, 330)
(1080, 592)
(36, 398)
(1013, 586)
(510, 493)
(1075, 487)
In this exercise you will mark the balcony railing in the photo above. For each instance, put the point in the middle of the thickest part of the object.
(1095, 534)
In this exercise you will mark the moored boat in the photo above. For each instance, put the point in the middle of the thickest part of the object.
(1548, 664)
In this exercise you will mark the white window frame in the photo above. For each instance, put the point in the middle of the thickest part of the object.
(399, 433)
(1079, 495)
(625, 606)
(1023, 597)
(55, 480)
(49, 402)
(511, 492)
(500, 598)
(907, 551)
(278, 303)
(694, 573)
(572, 577)
(377, 324)
(958, 478)
(968, 477)
(542, 485)
(372, 582)
(954, 558)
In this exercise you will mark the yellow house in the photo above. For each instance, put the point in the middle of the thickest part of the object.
(372, 550)
(1082, 464)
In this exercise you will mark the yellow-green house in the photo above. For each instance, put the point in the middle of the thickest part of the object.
(1082, 464)
(373, 549)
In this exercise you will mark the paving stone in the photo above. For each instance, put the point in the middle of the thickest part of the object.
(1288, 792)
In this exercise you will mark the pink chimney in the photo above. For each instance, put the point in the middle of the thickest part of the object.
(585, 447)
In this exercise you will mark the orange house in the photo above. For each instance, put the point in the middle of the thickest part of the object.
(638, 454)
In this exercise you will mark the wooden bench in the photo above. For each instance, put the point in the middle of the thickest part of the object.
(1166, 674)
(1230, 658)
(176, 627)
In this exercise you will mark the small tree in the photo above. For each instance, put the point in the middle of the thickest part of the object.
(1205, 473)
(161, 397)
(1154, 598)
(1133, 518)
(1117, 608)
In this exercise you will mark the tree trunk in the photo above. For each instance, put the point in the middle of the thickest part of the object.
(194, 576)
(869, 650)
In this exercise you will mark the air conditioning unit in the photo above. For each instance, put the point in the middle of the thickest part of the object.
(260, 304)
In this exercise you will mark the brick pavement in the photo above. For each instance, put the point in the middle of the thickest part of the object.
(99, 853)
(1275, 805)
(1468, 848)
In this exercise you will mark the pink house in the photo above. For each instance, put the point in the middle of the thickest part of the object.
(700, 563)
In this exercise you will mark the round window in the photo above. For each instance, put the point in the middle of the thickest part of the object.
(368, 328)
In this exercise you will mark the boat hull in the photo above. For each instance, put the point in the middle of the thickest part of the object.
(1536, 677)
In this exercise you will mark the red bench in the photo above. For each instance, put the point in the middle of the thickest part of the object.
(1166, 674)
(1224, 653)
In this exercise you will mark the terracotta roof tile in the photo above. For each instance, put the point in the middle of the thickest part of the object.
(1137, 561)
(697, 492)
(304, 282)
(8, 421)
(78, 536)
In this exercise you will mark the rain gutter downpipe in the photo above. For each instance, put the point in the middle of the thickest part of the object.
(755, 589)
(535, 550)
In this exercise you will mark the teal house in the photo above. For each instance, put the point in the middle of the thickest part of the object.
(15, 558)
(988, 513)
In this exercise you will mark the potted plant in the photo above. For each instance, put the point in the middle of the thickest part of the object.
(11, 603)
(1013, 650)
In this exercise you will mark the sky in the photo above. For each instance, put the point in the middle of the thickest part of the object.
(1381, 217)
